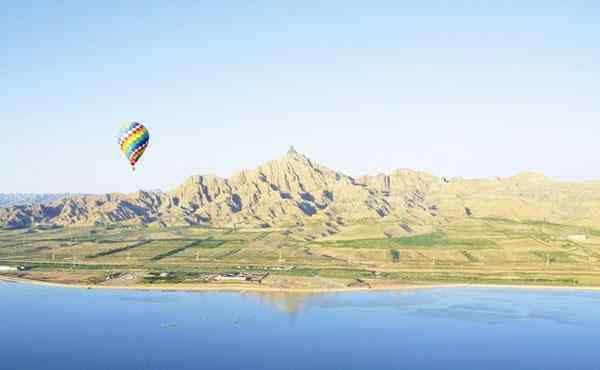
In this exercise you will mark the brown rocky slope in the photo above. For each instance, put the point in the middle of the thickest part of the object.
(294, 190)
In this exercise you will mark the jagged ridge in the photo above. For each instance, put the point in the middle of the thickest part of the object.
(294, 190)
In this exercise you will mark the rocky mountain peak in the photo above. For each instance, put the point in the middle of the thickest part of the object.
(293, 189)
(292, 155)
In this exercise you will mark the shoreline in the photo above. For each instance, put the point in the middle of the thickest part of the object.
(257, 288)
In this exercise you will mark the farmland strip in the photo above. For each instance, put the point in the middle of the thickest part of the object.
(117, 250)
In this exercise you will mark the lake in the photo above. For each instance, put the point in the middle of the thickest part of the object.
(449, 328)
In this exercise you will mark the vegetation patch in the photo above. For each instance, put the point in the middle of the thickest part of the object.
(541, 223)
(211, 243)
(345, 273)
(118, 250)
(499, 220)
(228, 254)
(593, 232)
(553, 256)
(469, 256)
(458, 277)
(176, 250)
(298, 272)
(67, 266)
(395, 254)
(436, 239)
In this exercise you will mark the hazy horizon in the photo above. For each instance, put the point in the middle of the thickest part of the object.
(457, 89)
(227, 176)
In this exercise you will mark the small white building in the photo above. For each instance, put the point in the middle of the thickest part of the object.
(231, 276)
(577, 237)
(8, 269)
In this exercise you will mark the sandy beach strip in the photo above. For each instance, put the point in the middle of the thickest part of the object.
(259, 288)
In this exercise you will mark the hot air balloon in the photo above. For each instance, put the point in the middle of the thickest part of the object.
(133, 141)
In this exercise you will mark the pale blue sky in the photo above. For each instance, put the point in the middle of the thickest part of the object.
(472, 88)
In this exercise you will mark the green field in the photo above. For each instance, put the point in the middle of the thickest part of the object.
(473, 250)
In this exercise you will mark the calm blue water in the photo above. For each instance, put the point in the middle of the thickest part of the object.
(476, 328)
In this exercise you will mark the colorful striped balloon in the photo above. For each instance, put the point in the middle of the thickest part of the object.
(133, 141)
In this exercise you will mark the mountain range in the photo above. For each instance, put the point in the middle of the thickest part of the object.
(293, 190)
(17, 199)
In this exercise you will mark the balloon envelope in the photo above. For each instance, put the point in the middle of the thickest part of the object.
(133, 141)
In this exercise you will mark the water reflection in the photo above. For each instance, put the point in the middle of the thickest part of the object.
(475, 305)
(291, 303)
(486, 306)
(473, 328)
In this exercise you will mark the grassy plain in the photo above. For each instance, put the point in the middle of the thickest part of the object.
(474, 251)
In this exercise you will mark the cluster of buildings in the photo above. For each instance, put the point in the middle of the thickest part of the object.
(241, 277)
(19, 268)
(245, 277)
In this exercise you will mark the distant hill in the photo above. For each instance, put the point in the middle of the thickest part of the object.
(293, 190)
(17, 199)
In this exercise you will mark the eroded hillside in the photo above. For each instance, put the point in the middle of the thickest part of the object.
(294, 191)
